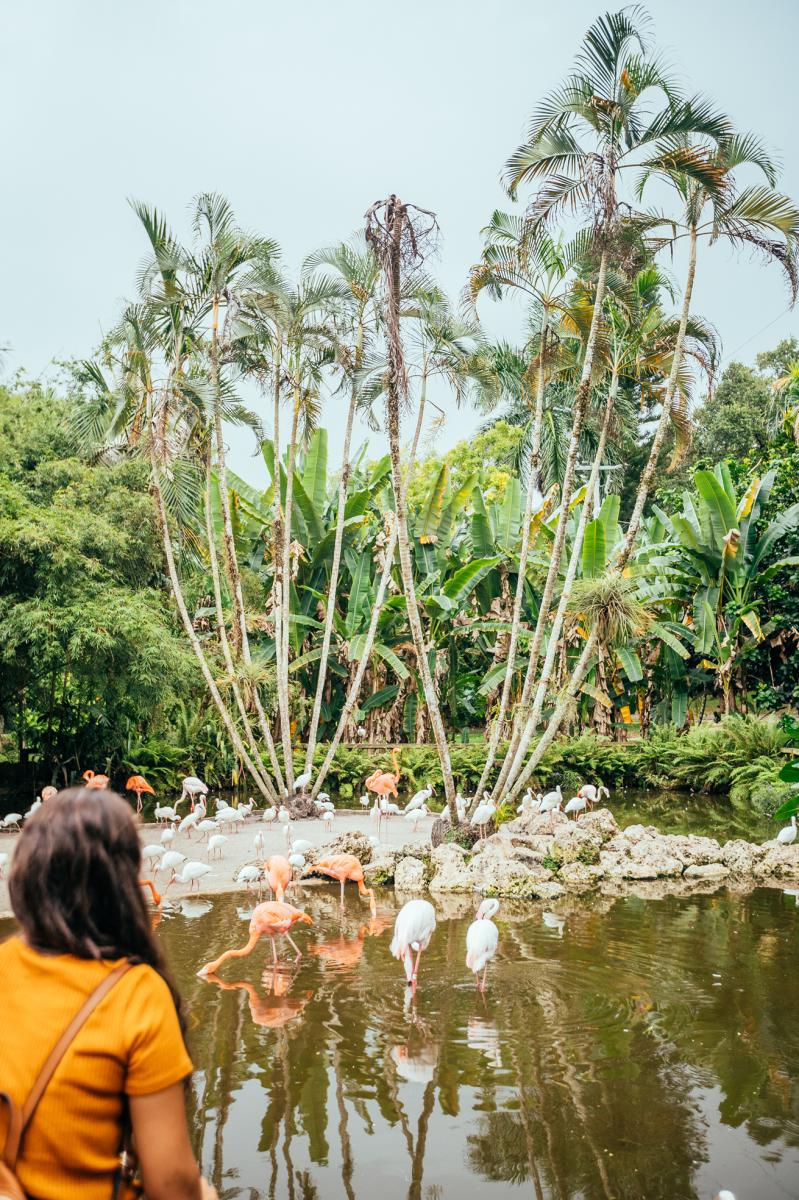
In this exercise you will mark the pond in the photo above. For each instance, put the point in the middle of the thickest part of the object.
(625, 1048)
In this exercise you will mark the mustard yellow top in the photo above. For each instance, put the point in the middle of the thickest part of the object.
(131, 1045)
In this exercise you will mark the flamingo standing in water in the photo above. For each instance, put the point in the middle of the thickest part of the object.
(148, 883)
(413, 929)
(344, 867)
(271, 920)
(278, 874)
(138, 784)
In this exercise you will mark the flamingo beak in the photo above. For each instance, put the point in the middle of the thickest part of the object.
(305, 919)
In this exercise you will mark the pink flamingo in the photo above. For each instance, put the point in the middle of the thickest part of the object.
(344, 867)
(138, 784)
(268, 920)
(96, 782)
(278, 874)
(385, 782)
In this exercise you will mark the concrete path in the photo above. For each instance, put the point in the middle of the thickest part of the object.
(238, 849)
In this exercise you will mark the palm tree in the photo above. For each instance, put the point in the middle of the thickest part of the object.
(581, 139)
(358, 269)
(714, 208)
(541, 270)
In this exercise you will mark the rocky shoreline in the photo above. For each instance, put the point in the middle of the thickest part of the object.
(544, 858)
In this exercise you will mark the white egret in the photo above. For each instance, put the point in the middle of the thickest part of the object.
(413, 929)
(482, 939)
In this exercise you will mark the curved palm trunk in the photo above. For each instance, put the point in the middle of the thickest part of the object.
(191, 633)
(533, 485)
(225, 643)
(586, 514)
(285, 599)
(648, 474)
(333, 588)
(580, 407)
(354, 691)
(241, 640)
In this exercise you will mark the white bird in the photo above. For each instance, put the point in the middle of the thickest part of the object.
(192, 787)
(215, 844)
(419, 799)
(250, 874)
(301, 845)
(297, 861)
(482, 939)
(192, 873)
(725, 1194)
(170, 860)
(303, 780)
(361, 731)
(413, 929)
(327, 819)
(787, 835)
(414, 817)
(189, 821)
(324, 797)
(163, 812)
(283, 815)
(152, 853)
(11, 819)
(37, 804)
(365, 800)
(246, 809)
(259, 842)
(270, 815)
(576, 805)
(592, 793)
(208, 826)
(482, 815)
(3, 864)
(231, 817)
(550, 803)
(460, 807)
(167, 836)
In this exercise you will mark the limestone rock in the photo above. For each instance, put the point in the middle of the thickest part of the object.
(778, 862)
(715, 870)
(579, 875)
(410, 875)
(380, 871)
(741, 856)
(692, 850)
(577, 843)
(451, 870)
(346, 843)
(601, 821)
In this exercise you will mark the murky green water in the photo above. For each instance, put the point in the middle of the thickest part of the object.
(626, 1048)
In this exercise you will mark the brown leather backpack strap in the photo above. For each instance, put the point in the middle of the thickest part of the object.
(15, 1135)
(14, 1128)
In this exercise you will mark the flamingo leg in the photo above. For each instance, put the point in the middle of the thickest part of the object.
(274, 952)
(416, 965)
(212, 967)
(342, 893)
(291, 942)
(483, 984)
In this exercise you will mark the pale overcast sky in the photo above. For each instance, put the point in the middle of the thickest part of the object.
(302, 115)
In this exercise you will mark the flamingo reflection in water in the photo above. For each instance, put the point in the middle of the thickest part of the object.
(276, 1007)
(343, 952)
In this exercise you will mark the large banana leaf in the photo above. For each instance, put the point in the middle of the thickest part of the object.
(719, 505)
(482, 534)
(594, 549)
(467, 578)
(314, 475)
(427, 529)
(454, 506)
(509, 517)
(360, 590)
(379, 698)
(630, 663)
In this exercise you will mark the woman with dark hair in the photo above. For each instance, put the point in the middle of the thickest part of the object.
(74, 887)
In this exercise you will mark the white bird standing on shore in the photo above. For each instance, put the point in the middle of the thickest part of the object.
(167, 836)
(414, 816)
(365, 800)
(215, 844)
(576, 805)
(413, 929)
(550, 803)
(250, 874)
(482, 815)
(327, 819)
(787, 835)
(11, 819)
(482, 939)
(303, 780)
(170, 860)
(259, 842)
(270, 815)
(592, 793)
(152, 853)
(192, 873)
(419, 799)
(163, 812)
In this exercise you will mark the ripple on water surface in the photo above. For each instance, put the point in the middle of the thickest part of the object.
(625, 1048)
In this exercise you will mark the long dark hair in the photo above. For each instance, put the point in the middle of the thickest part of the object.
(74, 882)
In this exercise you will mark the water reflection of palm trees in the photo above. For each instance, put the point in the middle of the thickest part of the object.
(590, 1069)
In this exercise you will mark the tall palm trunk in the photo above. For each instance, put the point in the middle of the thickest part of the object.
(394, 387)
(241, 640)
(586, 514)
(285, 596)
(353, 694)
(188, 625)
(580, 408)
(648, 474)
(533, 485)
(645, 483)
(225, 643)
(333, 588)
